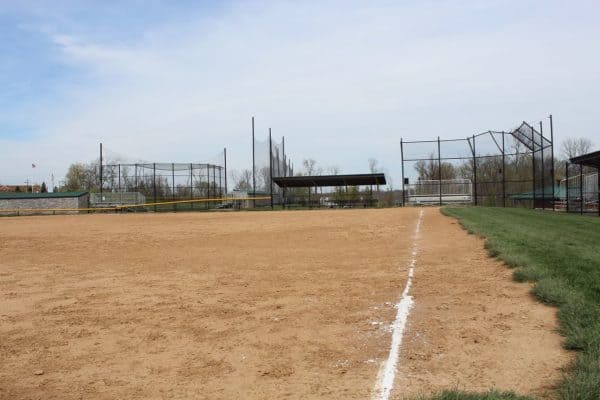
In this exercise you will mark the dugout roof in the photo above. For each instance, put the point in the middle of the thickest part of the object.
(330, 180)
(588, 160)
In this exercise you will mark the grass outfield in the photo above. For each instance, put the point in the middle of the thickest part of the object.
(561, 253)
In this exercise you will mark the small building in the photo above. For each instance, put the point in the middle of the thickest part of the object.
(19, 203)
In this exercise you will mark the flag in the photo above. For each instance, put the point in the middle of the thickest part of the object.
(32, 165)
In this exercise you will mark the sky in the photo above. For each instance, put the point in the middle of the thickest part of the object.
(343, 81)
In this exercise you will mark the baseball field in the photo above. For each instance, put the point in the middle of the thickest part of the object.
(254, 305)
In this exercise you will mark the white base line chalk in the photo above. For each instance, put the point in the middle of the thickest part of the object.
(387, 372)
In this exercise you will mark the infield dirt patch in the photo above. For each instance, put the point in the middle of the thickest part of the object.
(258, 305)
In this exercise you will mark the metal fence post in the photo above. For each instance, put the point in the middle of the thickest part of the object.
(439, 169)
(191, 184)
(402, 162)
(271, 168)
(475, 170)
(543, 174)
(503, 172)
(154, 183)
(253, 169)
(533, 162)
(581, 189)
(567, 183)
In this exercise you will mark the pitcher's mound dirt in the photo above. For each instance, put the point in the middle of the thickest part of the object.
(472, 327)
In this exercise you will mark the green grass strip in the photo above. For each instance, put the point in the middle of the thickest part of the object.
(561, 253)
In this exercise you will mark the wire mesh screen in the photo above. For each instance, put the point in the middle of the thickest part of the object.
(126, 182)
(579, 189)
(270, 161)
(504, 168)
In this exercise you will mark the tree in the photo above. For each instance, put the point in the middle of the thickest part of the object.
(430, 169)
(43, 188)
(309, 165)
(334, 170)
(373, 163)
(18, 189)
(573, 147)
(242, 180)
(82, 176)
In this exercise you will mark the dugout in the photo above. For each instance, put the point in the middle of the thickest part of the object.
(344, 190)
(581, 185)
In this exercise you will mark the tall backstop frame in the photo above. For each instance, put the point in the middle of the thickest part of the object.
(152, 182)
(499, 168)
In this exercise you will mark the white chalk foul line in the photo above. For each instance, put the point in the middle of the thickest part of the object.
(387, 373)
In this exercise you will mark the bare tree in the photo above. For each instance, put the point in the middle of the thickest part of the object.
(334, 170)
(242, 179)
(573, 147)
(309, 165)
(373, 165)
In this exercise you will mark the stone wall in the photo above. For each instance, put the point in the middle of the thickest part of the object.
(45, 203)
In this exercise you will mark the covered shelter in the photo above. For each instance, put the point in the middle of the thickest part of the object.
(340, 197)
(582, 184)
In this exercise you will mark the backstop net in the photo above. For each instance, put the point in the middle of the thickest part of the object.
(270, 161)
(127, 182)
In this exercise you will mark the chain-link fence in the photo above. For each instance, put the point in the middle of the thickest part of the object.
(492, 168)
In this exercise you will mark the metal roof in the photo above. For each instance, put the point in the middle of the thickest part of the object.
(330, 180)
(589, 159)
(27, 195)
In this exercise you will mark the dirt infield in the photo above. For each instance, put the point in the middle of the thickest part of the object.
(258, 305)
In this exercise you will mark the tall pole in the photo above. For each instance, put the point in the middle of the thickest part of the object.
(543, 175)
(402, 162)
(225, 158)
(552, 160)
(100, 171)
(253, 168)
(503, 173)
(271, 167)
(533, 162)
(284, 168)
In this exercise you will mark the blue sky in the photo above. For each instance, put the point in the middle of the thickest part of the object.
(342, 80)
